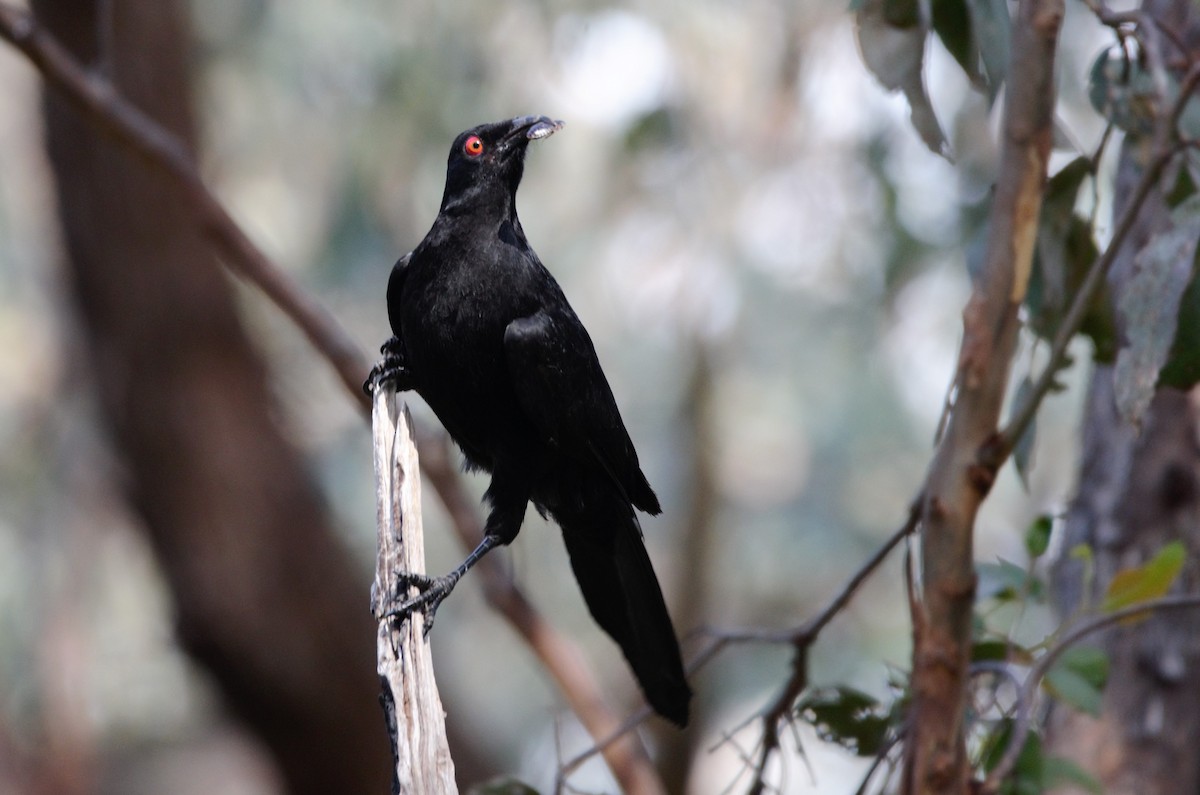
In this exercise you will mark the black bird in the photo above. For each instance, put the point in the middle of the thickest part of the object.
(485, 335)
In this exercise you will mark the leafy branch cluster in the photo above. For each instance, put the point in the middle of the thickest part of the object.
(1144, 85)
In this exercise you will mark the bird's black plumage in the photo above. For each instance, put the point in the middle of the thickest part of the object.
(486, 336)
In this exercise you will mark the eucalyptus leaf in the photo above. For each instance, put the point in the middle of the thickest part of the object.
(1122, 90)
(1059, 772)
(1151, 580)
(951, 21)
(892, 43)
(1028, 773)
(1073, 689)
(1005, 582)
(1149, 308)
(1037, 537)
(1089, 662)
(1023, 452)
(846, 716)
(992, 26)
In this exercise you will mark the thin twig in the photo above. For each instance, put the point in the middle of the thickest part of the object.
(1040, 668)
(884, 750)
(807, 631)
(777, 713)
(800, 637)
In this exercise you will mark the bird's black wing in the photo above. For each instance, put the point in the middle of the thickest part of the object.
(560, 386)
(395, 290)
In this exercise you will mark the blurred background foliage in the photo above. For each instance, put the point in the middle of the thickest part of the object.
(771, 264)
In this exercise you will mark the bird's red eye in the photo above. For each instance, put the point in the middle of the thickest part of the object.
(474, 146)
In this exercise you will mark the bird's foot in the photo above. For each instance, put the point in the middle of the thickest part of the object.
(393, 368)
(431, 591)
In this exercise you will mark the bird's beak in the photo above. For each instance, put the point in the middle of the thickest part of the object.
(533, 127)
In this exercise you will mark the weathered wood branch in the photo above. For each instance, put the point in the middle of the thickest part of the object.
(415, 718)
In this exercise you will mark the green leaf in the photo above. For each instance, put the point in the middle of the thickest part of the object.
(1059, 772)
(1037, 537)
(1023, 452)
(846, 716)
(1064, 253)
(994, 650)
(1122, 91)
(952, 24)
(993, 27)
(895, 54)
(1151, 580)
(1182, 369)
(1078, 678)
(1028, 774)
(1089, 662)
(1006, 582)
(979, 628)
(1183, 189)
(902, 13)
(1054, 224)
(1150, 308)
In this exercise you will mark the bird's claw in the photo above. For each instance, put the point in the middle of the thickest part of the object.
(431, 591)
(393, 368)
(381, 374)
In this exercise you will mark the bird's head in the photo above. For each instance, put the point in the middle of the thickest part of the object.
(486, 162)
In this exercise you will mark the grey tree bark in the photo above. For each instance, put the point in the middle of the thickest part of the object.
(1137, 492)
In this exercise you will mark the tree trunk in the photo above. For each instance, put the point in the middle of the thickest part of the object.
(1137, 492)
(267, 599)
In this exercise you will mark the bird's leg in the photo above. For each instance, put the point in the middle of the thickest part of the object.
(393, 367)
(508, 496)
(432, 590)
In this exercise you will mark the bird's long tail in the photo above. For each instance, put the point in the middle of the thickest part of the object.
(623, 595)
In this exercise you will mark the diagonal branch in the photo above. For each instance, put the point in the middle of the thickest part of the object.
(103, 105)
